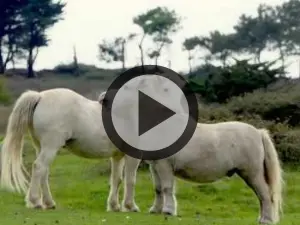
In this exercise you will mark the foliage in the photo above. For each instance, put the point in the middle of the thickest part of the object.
(23, 28)
(158, 23)
(190, 45)
(37, 17)
(86, 71)
(10, 26)
(219, 45)
(275, 28)
(288, 19)
(253, 33)
(278, 105)
(223, 83)
(114, 50)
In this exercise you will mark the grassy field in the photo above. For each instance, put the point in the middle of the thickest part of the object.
(80, 188)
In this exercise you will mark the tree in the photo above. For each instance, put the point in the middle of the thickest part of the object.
(255, 33)
(37, 17)
(286, 39)
(159, 23)
(160, 42)
(274, 28)
(190, 45)
(10, 23)
(115, 50)
(75, 62)
(219, 45)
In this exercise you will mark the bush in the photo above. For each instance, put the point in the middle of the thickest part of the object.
(288, 146)
(71, 69)
(222, 83)
(275, 106)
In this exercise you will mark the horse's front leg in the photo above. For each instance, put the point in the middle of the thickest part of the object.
(131, 166)
(117, 165)
(158, 201)
(165, 172)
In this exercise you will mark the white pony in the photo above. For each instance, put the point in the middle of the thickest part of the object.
(219, 150)
(58, 118)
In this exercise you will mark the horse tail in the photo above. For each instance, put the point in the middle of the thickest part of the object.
(273, 173)
(12, 169)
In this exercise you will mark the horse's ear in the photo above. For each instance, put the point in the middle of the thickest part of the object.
(101, 97)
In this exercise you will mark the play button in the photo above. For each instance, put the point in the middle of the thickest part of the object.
(149, 112)
(148, 108)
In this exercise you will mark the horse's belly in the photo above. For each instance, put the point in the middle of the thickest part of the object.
(199, 175)
(102, 149)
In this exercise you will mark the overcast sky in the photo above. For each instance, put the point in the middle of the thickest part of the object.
(87, 22)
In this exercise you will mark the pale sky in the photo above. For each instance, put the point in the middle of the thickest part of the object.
(87, 22)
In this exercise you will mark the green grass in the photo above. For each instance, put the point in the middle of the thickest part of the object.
(80, 188)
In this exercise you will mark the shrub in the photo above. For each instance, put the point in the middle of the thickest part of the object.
(276, 106)
(222, 83)
(288, 146)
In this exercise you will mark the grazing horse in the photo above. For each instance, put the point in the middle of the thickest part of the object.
(57, 118)
(219, 150)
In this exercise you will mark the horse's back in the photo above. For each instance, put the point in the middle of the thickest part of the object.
(65, 110)
(232, 136)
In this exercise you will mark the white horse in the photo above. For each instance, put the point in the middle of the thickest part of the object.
(58, 118)
(219, 150)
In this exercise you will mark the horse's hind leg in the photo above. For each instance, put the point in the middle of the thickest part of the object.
(117, 165)
(259, 185)
(158, 201)
(39, 179)
(48, 201)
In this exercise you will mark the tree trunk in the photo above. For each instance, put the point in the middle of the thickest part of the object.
(224, 62)
(258, 55)
(169, 64)
(141, 49)
(30, 72)
(158, 52)
(123, 56)
(190, 61)
(2, 67)
(282, 57)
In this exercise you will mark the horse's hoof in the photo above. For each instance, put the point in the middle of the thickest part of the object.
(115, 208)
(265, 221)
(49, 204)
(37, 205)
(34, 206)
(50, 207)
(154, 210)
(130, 208)
(169, 212)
